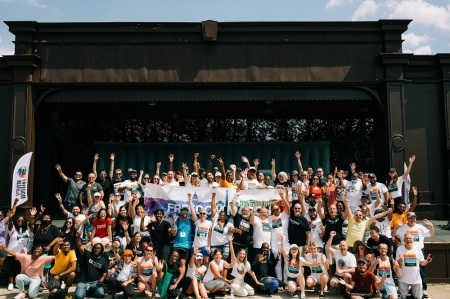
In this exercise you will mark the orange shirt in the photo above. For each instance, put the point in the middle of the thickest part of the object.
(225, 184)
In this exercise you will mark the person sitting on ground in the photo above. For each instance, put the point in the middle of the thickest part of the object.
(197, 271)
(318, 263)
(345, 262)
(294, 265)
(363, 283)
(123, 275)
(148, 267)
(177, 280)
(101, 230)
(215, 279)
(261, 264)
(240, 268)
(91, 280)
(62, 274)
(32, 270)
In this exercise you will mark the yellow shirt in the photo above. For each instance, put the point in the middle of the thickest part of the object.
(355, 231)
(63, 262)
(225, 184)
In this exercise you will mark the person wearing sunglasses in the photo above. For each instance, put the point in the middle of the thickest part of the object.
(74, 187)
(148, 268)
(202, 231)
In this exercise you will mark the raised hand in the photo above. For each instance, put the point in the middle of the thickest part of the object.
(273, 162)
(58, 167)
(213, 157)
(112, 156)
(158, 164)
(244, 159)
(220, 161)
(427, 222)
(297, 154)
(256, 162)
(33, 211)
(414, 190)
(96, 156)
(171, 157)
(412, 159)
(196, 155)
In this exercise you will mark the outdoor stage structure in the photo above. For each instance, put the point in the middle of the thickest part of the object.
(250, 70)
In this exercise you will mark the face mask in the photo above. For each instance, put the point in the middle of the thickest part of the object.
(46, 222)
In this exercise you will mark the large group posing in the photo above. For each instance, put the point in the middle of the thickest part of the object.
(342, 230)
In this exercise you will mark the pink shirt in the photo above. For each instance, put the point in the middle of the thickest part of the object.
(33, 268)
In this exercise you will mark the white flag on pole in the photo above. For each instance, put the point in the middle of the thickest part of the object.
(20, 180)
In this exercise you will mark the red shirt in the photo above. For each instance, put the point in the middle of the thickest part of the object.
(101, 227)
(364, 283)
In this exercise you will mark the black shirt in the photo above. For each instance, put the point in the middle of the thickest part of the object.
(159, 233)
(94, 268)
(333, 224)
(297, 228)
(371, 243)
(137, 250)
(261, 269)
(246, 228)
(118, 228)
(44, 237)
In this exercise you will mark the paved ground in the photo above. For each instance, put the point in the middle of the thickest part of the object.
(437, 291)
(440, 291)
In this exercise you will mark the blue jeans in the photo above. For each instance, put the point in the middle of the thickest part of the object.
(95, 290)
(270, 284)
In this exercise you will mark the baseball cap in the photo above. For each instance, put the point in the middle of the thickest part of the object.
(199, 256)
(194, 174)
(184, 209)
(164, 173)
(132, 170)
(217, 174)
(252, 168)
(293, 246)
(392, 169)
(365, 197)
(294, 172)
(361, 260)
(97, 194)
(411, 214)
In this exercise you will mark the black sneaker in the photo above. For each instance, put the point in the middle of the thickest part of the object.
(321, 295)
(316, 289)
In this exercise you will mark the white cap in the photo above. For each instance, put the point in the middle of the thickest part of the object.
(218, 174)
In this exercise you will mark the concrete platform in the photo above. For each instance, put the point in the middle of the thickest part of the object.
(437, 291)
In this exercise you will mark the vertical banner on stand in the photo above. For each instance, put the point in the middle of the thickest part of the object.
(406, 186)
(20, 180)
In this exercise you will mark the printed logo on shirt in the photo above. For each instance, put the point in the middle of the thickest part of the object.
(415, 234)
(240, 269)
(244, 226)
(341, 264)
(373, 193)
(392, 187)
(315, 267)
(312, 225)
(266, 226)
(199, 274)
(276, 222)
(202, 231)
(147, 269)
(294, 266)
(410, 259)
(95, 264)
(219, 227)
(384, 269)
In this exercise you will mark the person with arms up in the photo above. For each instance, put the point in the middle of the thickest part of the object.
(31, 270)
(90, 283)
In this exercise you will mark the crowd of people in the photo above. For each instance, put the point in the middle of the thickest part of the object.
(341, 230)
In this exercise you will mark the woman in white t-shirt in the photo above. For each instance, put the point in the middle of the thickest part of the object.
(294, 263)
(136, 211)
(202, 231)
(215, 278)
(148, 267)
(240, 268)
(197, 271)
(220, 229)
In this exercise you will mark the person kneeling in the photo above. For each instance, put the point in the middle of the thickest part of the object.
(123, 275)
(62, 274)
(364, 283)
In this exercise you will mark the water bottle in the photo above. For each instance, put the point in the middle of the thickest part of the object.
(231, 293)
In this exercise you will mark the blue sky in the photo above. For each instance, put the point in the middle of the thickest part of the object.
(429, 33)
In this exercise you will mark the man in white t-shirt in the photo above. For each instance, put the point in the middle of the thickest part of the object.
(250, 182)
(345, 262)
(374, 187)
(419, 233)
(353, 191)
(385, 265)
(262, 229)
(410, 258)
(129, 185)
(315, 224)
(279, 222)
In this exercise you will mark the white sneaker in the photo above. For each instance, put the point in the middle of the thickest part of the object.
(63, 285)
(10, 287)
(20, 296)
(302, 295)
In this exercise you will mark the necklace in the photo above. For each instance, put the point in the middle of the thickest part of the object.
(46, 230)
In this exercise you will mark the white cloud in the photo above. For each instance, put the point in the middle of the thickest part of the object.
(334, 3)
(367, 8)
(412, 40)
(5, 51)
(37, 4)
(424, 50)
(421, 12)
